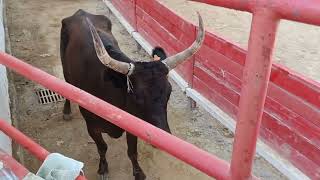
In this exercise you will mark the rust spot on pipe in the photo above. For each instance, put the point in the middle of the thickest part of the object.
(266, 52)
(148, 137)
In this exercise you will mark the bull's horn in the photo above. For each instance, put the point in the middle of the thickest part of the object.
(103, 55)
(175, 60)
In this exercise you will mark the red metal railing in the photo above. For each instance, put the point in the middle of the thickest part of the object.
(253, 93)
(9, 162)
(182, 150)
(295, 10)
(27, 143)
(266, 15)
(291, 114)
(35, 149)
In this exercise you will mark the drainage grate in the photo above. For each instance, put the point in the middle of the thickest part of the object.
(46, 96)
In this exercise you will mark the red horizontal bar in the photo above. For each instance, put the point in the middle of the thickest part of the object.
(23, 140)
(34, 148)
(9, 162)
(184, 151)
(295, 10)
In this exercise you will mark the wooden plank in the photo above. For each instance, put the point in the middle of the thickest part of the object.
(277, 126)
(160, 31)
(231, 80)
(215, 97)
(290, 137)
(292, 82)
(229, 50)
(186, 71)
(169, 20)
(298, 105)
(294, 103)
(216, 84)
(297, 85)
(150, 35)
(127, 9)
(299, 124)
(299, 160)
(207, 54)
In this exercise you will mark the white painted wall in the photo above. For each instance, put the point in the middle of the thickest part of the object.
(5, 142)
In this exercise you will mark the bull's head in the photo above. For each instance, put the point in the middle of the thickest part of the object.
(150, 86)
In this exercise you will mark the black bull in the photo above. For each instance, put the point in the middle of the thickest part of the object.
(93, 61)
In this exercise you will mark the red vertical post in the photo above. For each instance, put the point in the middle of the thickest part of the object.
(253, 93)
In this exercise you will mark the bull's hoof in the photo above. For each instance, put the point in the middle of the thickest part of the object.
(103, 170)
(139, 175)
(67, 117)
(103, 176)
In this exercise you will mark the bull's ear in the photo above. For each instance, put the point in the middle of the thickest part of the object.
(103, 55)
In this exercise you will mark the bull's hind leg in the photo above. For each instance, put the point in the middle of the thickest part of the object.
(67, 110)
(133, 155)
(102, 146)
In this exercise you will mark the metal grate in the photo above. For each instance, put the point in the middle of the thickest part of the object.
(46, 96)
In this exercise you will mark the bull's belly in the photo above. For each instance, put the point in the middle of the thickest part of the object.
(100, 125)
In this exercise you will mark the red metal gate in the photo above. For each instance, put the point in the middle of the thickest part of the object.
(35, 149)
(290, 119)
(266, 17)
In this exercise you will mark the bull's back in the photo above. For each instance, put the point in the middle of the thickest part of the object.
(81, 67)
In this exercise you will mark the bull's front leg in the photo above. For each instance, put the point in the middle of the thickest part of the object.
(133, 155)
(67, 110)
(102, 149)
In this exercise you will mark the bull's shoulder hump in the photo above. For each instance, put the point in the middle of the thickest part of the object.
(99, 21)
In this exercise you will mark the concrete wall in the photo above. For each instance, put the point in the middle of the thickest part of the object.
(5, 142)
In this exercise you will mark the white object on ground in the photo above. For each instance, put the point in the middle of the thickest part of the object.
(31, 176)
(58, 167)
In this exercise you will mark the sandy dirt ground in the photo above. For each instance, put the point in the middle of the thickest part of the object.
(34, 30)
(297, 45)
